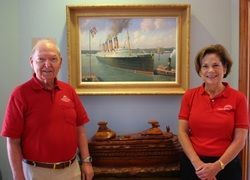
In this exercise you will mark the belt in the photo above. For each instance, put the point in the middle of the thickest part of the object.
(59, 165)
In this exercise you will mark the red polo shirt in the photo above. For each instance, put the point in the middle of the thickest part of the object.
(45, 120)
(212, 121)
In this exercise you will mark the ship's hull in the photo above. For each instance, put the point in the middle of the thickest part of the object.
(135, 62)
(153, 152)
(151, 147)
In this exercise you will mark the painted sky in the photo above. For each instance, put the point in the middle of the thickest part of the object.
(143, 32)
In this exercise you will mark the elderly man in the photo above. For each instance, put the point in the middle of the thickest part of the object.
(44, 123)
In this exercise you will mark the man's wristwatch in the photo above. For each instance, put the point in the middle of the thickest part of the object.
(87, 159)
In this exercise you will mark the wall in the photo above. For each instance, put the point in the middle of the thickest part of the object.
(9, 56)
(211, 22)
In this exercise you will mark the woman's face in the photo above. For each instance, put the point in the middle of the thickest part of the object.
(212, 69)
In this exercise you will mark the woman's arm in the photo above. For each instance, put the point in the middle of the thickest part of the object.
(235, 147)
(209, 170)
(186, 144)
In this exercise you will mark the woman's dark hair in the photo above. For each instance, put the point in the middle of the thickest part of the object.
(220, 51)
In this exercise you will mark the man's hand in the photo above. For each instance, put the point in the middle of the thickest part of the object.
(87, 171)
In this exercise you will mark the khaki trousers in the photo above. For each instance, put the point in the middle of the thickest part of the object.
(38, 173)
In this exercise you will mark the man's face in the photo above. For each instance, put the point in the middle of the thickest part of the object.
(46, 62)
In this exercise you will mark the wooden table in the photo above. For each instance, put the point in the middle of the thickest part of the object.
(169, 172)
(152, 178)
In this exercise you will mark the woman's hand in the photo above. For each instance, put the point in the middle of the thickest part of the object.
(208, 171)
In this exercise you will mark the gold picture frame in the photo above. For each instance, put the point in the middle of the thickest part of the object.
(158, 64)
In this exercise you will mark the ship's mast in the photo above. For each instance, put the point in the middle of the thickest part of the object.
(90, 55)
(128, 42)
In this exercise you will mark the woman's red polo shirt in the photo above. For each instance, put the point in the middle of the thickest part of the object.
(212, 121)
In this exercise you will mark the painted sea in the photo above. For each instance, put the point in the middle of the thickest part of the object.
(95, 71)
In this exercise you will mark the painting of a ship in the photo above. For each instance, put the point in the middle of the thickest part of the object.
(128, 50)
(151, 147)
(123, 57)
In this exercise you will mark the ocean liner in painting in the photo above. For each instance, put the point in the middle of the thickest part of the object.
(151, 147)
(124, 57)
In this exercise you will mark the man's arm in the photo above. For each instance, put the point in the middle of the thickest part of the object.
(86, 168)
(15, 158)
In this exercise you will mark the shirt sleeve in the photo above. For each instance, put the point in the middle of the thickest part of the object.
(242, 113)
(82, 115)
(185, 107)
(13, 122)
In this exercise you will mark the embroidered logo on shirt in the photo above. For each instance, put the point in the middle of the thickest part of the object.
(227, 107)
(65, 99)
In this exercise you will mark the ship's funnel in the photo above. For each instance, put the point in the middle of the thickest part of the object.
(116, 44)
(106, 46)
(110, 45)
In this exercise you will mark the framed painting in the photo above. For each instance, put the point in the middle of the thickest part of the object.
(132, 49)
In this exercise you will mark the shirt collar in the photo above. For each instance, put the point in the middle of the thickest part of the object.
(225, 92)
(36, 84)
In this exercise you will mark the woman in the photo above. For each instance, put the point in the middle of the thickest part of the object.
(213, 121)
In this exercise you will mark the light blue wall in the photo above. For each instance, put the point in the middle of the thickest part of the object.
(9, 69)
(211, 22)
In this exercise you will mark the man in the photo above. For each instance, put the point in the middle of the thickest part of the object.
(44, 123)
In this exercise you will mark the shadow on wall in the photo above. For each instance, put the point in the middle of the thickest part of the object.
(0, 175)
